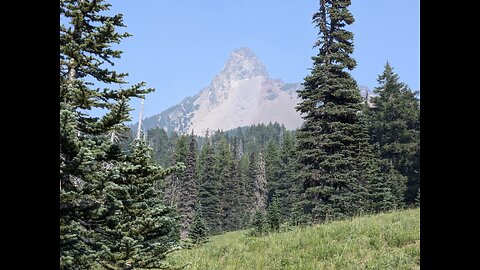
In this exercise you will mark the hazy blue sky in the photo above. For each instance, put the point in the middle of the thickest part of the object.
(179, 45)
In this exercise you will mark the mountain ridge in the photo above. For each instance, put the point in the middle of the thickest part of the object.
(241, 94)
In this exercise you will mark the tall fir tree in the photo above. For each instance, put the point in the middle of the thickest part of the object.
(209, 189)
(198, 231)
(274, 215)
(188, 190)
(259, 223)
(158, 139)
(226, 171)
(110, 214)
(172, 144)
(333, 138)
(173, 182)
(286, 190)
(395, 126)
(395, 181)
(380, 189)
(238, 214)
(141, 229)
(272, 167)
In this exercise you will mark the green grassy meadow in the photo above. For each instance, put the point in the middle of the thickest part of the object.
(383, 241)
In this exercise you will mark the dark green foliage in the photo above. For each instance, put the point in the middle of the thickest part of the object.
(286, 189)
(259, 223)
(395, 181)
(230, 199)
(395, 126)
(227, 172)
(181, 148)
(272, 164)
(271, 158)
(158, 139)
(142, 229)
(198, 230)
(381, 197)
(187, 196)
(237, 211)
(232, 204)
(333, 140)
(386, 187)
(257, 136)
(209, 190)
(111, 216)
(273, 214)
(174, 181)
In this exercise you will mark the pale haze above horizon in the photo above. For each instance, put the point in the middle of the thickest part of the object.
(177, 47)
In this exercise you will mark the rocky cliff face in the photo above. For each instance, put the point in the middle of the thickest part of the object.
(241, 94)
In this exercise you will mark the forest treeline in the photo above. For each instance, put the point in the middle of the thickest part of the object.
(224, 165)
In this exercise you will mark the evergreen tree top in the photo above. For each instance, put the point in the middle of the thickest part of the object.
(330, 84)
(335, 42)
(389, 83)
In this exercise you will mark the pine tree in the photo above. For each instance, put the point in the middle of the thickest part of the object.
(272, 167)
(229, 199)
(238, 214)
(395, 181)
(172, 144)
(158, 140)
(286, 188)
(382, 186)
(259, 223)
(178, 145)
(110, 214)
(380, 195)
(395, 127)
(332, 139)
(188, 190)
(273, 213)
(198, 231)
(209, 190)
(139, 226)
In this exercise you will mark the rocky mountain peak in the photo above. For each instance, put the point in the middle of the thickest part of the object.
(243, 64)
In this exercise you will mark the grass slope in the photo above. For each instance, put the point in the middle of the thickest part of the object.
(383, 241)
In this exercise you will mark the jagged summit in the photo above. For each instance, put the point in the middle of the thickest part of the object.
(241, 94)
(242, 64)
